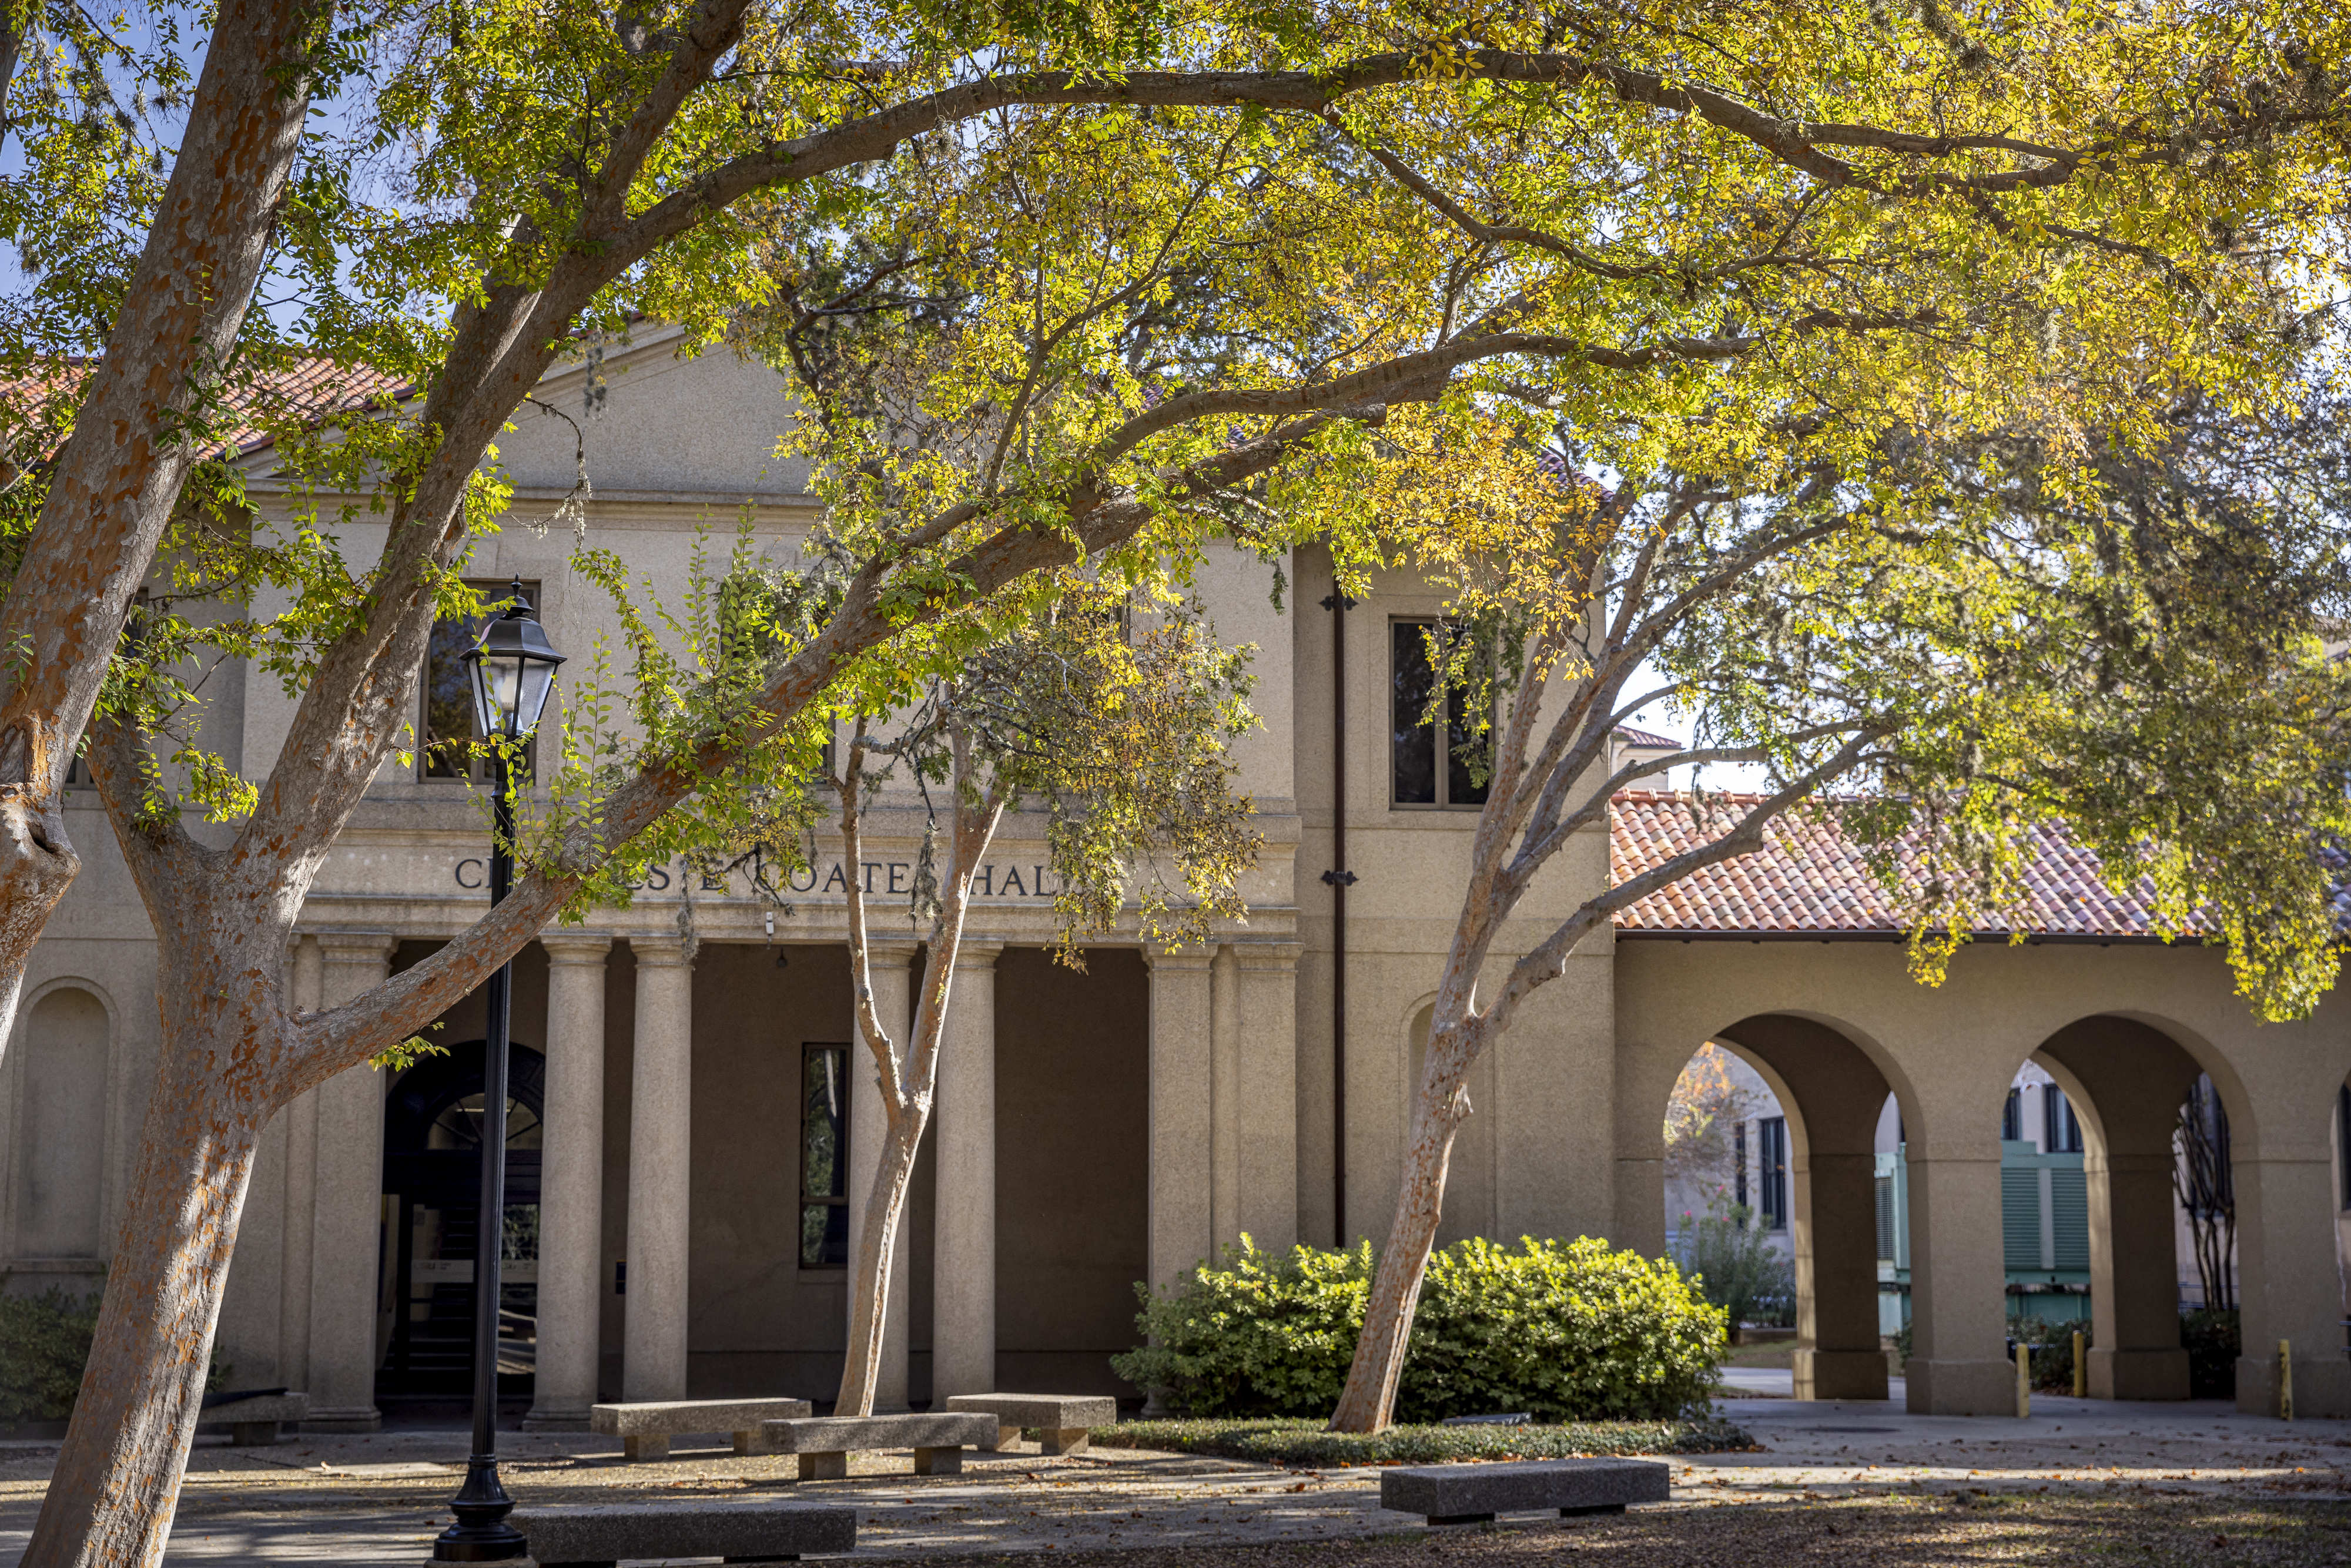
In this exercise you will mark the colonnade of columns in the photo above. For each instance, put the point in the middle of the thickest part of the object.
(1223, 1161)
(2126, 1079)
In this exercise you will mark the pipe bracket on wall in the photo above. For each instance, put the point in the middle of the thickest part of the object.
(1338, 881)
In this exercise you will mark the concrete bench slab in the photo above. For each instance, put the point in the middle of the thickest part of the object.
(1062, 1422)
(256, 1420)
(644, 1430)
(1473, 1494)
(600, 1535)
(825, 1442)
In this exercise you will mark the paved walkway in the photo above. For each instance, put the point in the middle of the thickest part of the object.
(379, 1500)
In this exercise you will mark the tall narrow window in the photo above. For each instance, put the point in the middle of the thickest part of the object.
(1771, 1166)
(824, 1156)
(2011, 1117)
(2060, 1131)
(445, 723)
(1425, 763)
(2342, 1137)
(1739, 1163)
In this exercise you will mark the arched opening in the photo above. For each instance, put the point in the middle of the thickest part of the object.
(61, 1128)
(432, 1183)
(2132, 1110)
(1782, 1120)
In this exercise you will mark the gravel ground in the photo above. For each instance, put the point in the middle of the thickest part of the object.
(1938, 1530)
(2079, 1482)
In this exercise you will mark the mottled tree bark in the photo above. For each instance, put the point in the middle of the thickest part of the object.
(1440, 1106)
(1552, 779)
(220, 1073)
(118, 475)
(908, 1088)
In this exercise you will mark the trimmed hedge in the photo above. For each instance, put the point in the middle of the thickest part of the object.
(1300, 1442)
(1573, 1333)
(43, 1344)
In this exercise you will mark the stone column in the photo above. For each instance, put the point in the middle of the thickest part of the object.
(301, 1191)
(2134, 1273)
(963, 1268)
(890, 967)
(1225, 1098)
(1182, 1112)
(1958, 1363)
(2126, 1081)
(661, 1133)
(572, 1183)
(1834, 1231)
(2288, 1286)
(1269, 1091)
(347, 1229)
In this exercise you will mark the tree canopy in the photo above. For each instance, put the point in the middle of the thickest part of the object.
(1147, 274)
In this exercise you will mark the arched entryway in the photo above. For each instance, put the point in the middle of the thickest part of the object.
(432, 1184)
(1833, 1097)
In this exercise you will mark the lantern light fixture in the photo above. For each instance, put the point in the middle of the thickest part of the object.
(511, 670)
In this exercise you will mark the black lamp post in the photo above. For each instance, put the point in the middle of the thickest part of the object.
(512, 669)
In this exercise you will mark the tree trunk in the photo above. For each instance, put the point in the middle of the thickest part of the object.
(117, 476)
(1368, 1402)
(877, 1250)
(117, 1480)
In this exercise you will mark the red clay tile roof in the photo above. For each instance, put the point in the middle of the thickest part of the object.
(1645, 741)
(1810, 877)
(305, 390)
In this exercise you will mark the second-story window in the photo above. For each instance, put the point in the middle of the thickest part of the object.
(444, 720)
(1426, 763)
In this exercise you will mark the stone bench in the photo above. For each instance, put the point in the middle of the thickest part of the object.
(824, 1443)
(645, 1430)
(1473, 1494)
(600, 1535)
(255, 1420)
(1062, 1422)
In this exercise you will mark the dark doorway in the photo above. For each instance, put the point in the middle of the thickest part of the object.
(432, 1183)
(1072, 1167)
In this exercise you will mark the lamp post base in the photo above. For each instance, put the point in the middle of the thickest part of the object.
(480, 1532)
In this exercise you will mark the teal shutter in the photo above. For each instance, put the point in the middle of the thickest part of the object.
(2020, 1218)
(2069, 1202)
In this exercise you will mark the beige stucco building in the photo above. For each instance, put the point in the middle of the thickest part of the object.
(686, 1082)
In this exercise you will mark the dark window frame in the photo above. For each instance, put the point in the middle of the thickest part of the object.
(2012, 1116)
(446, 642)
(2061, 1129)
(1771, 1166)
(1739, 1163)
(2343, 1138)
(816, 1252)
(1449, 786)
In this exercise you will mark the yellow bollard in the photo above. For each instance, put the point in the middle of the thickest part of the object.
(2081, 1368)
(2023, 1380)
(2285, 1380)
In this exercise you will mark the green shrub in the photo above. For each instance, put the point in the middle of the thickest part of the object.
(1291, 1441)
(2052, 1347)
(1573, 1333)
(1738, 1268)
(2213, 1341)
(43, 1344)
